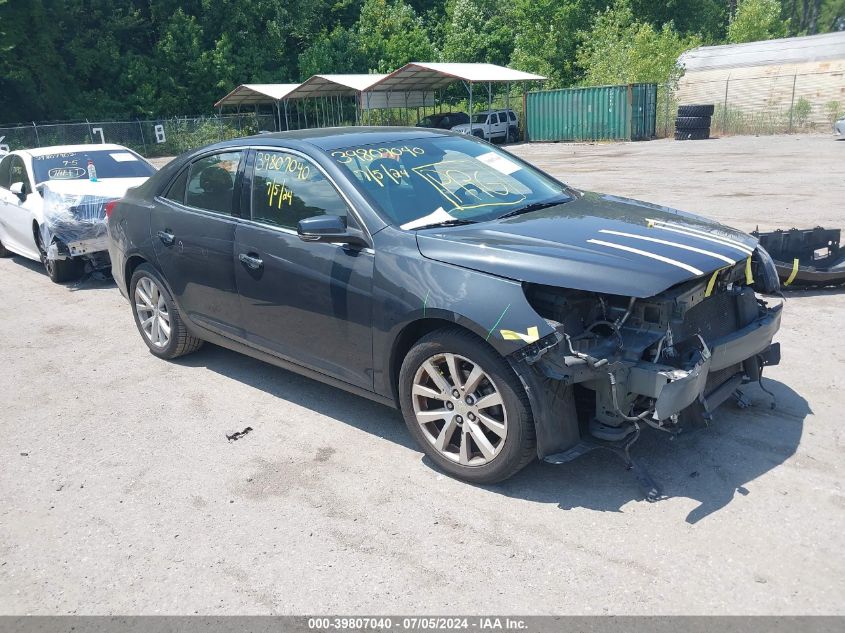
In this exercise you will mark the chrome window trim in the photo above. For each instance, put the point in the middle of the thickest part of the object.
(240, 219)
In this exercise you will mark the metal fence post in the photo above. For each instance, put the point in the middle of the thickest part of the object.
(792, 102)
(37, 140)
(667, 96)
(725, 108)
(143, 140)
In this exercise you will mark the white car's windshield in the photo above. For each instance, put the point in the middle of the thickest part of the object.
(113, 163)
(479, 118)
(445, 179)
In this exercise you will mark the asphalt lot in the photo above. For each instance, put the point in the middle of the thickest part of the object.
(120, 493)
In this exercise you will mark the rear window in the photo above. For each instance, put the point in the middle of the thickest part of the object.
(114, 163)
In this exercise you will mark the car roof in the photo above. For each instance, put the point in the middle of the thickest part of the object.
(332, 138)
(70, 149)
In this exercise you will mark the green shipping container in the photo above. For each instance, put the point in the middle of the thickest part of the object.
(601, 113)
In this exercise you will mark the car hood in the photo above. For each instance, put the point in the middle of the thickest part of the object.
(104, 188)
(594, 242)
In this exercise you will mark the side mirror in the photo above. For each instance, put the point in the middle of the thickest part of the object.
(329, 228)
(19, 189)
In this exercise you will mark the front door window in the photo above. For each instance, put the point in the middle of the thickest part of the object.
(287, 188)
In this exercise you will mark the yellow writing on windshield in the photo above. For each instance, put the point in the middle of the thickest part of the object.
(379, 173)
(372, 153)
(467, 185)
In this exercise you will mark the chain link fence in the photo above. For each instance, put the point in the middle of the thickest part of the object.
(765, 104)
(150, 138)
(171, 137)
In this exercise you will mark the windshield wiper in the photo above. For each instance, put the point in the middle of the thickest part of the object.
(434, 225)
(534, 206)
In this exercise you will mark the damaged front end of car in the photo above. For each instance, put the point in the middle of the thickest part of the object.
(614, 364)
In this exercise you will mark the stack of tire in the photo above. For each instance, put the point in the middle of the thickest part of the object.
(693, 122)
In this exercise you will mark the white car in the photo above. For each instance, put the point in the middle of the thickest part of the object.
(839, 127)
(492, 125)
(53, 203)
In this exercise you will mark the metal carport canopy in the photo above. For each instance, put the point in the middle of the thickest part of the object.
(253, 94)
(432, 76)
(335, 85)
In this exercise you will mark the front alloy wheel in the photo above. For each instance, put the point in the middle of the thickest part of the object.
(465, 406)
(459, 409)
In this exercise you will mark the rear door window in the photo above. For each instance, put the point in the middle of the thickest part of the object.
(176, 191)
(287, 188)
(211, 183)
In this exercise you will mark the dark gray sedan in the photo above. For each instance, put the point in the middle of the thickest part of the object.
(507, 315)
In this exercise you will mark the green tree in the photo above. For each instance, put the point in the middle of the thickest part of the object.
(619, 49)
(337, 51)
(478, 31)
(707, 18)
(756, 20)
(33, 86)
(547, 37)
(391, 34)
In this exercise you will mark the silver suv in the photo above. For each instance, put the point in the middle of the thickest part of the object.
(492, 125)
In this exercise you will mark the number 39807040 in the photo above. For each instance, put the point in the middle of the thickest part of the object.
(265, 161)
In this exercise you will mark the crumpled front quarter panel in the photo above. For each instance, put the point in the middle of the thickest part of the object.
(408, 287)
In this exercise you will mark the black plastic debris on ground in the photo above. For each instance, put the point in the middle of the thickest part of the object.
(806, 257)
(238, 434)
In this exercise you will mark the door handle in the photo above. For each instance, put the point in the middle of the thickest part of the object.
(166, 237)
(251, 262)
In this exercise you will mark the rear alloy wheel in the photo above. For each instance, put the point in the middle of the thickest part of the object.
(157, 318)
(466, 408)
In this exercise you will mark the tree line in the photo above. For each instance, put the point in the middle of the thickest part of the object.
(77, 59)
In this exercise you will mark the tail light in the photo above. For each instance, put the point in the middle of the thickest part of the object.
(109, 207)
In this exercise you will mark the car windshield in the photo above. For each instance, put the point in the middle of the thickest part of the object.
(480, 118)
(112, 163)
(449, 179)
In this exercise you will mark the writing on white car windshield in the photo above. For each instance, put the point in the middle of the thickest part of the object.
(445, 180)
(74, 165)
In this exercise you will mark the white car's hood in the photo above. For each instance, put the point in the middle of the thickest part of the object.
(104, 188)
(463, 128)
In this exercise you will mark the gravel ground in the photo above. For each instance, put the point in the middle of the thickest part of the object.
(120, 493)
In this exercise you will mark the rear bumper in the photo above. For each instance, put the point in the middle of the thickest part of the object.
(89, 247)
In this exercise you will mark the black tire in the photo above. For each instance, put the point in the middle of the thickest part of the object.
(519, 443)
(60, 270)
(696, 110)
(692, 122)
(63, 270)
(4, 252)
(180, 341)
(692, 135)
